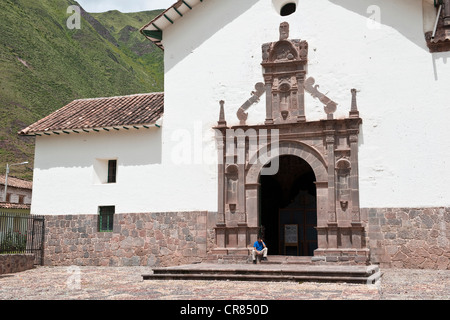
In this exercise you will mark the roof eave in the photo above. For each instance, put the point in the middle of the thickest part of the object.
(153, 30)
(114, 128)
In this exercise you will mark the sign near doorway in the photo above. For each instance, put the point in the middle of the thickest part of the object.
(290, 236)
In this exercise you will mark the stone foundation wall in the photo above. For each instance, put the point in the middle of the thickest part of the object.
(396, 237)
(409, 238)
(11, 263)
(142, 239)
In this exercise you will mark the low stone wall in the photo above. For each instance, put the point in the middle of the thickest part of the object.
(142, 239)
(409, 238)
(11, 263)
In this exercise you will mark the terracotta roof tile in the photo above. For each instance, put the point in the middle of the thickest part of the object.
(137, 109)
(16, 182)
(9, 205)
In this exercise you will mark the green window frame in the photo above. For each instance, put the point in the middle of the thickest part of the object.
(106, 218)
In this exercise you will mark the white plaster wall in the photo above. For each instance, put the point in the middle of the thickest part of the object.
(214, 53)
(65, 181)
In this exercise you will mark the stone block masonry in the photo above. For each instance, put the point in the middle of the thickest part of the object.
(12, 263)
(396, 238)
(141, 239)
(409, 238)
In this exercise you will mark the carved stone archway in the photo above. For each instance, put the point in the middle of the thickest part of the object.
(294, 148)
(329, 146)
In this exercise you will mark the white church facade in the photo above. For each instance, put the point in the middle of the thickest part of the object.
(319, 124)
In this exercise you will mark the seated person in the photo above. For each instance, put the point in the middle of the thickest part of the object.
(259, 248)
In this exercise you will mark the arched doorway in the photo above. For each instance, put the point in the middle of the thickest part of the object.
(288, 212)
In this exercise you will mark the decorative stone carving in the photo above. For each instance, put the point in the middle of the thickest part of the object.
(283, 51)
(222, 122)
(259, 90)
(354, 113)
(441, 40)
(284, 31)
(303, 45)
(284, 65)
(343, 189)
(330, 105)
(232, 186)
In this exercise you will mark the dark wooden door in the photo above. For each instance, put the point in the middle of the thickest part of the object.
(302, 212)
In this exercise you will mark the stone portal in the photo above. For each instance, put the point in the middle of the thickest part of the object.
(251, 155)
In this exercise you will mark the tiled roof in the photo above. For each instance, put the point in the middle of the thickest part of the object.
(9, 205)
(17, 183)
(154, 29)
(132, 110)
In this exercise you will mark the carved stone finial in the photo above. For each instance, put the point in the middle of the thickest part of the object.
(284, 31)
(354, 113)
(222, 122)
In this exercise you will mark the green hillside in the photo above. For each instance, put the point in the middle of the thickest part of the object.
(44, 65)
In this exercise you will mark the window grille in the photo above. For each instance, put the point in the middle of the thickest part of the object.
(106, 218)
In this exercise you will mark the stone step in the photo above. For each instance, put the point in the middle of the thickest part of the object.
(264, 272)
(272, 259)
(287, 260)
(313, 270)
(259, 277)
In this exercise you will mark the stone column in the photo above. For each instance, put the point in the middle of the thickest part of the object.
(220, 222)
(220, 139)
(301, 98)
(354, 178)
(252, 205)
(331, 180)
(221, 181)
(332, 229)
(357, 227)
(242, 219)
(269, 117)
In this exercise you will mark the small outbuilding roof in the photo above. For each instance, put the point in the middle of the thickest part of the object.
(16, 182)
(113, 113)
(9, 205)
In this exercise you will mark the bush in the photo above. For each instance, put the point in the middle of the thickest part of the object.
(13, 242)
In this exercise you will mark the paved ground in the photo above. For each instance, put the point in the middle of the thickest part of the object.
(125, 283)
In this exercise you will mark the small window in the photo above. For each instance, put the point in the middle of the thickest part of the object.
(112, 170)
(106, 218)
(288, 9)
(21, 199)
(105, 171)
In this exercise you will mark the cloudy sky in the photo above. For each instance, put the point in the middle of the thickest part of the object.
(124, 5)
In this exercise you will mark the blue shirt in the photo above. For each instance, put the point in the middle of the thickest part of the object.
(259, 245)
